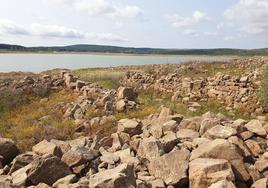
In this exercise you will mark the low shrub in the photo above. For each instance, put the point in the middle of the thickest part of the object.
(24, 126)
(10, 99)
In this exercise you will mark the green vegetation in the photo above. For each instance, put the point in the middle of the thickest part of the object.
(106, 78)
(263, 94)
(27, 120)
(23, 124)
(9, 100)
(130, 50)
(152, 101)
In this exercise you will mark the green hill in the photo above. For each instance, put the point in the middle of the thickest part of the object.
(131, 50)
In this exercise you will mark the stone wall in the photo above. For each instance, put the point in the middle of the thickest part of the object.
(236, 92)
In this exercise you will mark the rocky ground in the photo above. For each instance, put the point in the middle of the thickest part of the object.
(116, 143)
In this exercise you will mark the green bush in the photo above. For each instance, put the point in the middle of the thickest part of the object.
(263, 94)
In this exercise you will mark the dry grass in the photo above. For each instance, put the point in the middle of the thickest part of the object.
(108, 78)
(24, 126)
(16, 75)
(152, 102)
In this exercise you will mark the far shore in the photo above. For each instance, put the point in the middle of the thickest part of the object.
(114, 54)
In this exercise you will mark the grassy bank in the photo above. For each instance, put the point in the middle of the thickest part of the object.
(37, 120)
(108, 78)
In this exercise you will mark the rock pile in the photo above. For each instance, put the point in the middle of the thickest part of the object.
(236, 92)
(89, 94)
(94, 96)
(163, 150)
(28, 85)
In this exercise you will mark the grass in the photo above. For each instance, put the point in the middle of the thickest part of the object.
(24, 126)
(16, 75)
(152, 101)
(9, 100)
(208, 69)
(107, 78)
(20, 115)
(263, 93)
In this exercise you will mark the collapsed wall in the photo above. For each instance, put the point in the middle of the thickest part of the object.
(236, 92)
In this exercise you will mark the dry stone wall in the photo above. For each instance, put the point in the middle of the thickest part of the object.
(236, 92)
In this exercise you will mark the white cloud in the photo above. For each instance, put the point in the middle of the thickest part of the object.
(93, 7)
(55, 31)
(180, 22)
(102, 7)
(106, 37)
(127, 12)
(251, 15)
(8, 27)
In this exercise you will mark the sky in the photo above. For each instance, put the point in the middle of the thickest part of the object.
(136, 23)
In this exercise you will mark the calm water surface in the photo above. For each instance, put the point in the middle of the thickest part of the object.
(42, 62)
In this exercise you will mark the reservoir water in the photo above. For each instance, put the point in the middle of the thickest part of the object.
(41, 62)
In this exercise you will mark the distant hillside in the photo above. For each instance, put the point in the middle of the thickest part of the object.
(131, 50)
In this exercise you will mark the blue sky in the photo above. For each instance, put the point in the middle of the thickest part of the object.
(138, 23)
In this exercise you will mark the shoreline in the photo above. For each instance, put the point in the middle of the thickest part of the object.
(114, 54)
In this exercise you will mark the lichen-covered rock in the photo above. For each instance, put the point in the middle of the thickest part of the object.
(120, 177)
(220, 131)
(171, 168)
(150, 148)
(79, 156)
(203, 172)
(218, 149)
(129, 126)
(256, 127)
(222, 184)
(47, 169)
(45, 147)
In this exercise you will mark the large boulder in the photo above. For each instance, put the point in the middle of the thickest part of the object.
(220, 131)
(256, 127)
(45, 147)
(47, 169)
(208, 123)
(240, 144)
(65, 181)
(171, 168)
(170, 126)
(187, 134)
(21, 161)
(218, 149)
(222, 149)
(120, 177)
(203, 172)
(261, 183)
(126, 93)
(8, 150)
(78, 156)
(129, 126)
(169, 141)
(150, 148)
(20, 176)
(223, 184)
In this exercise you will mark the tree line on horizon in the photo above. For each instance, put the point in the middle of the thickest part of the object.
(131, 50)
